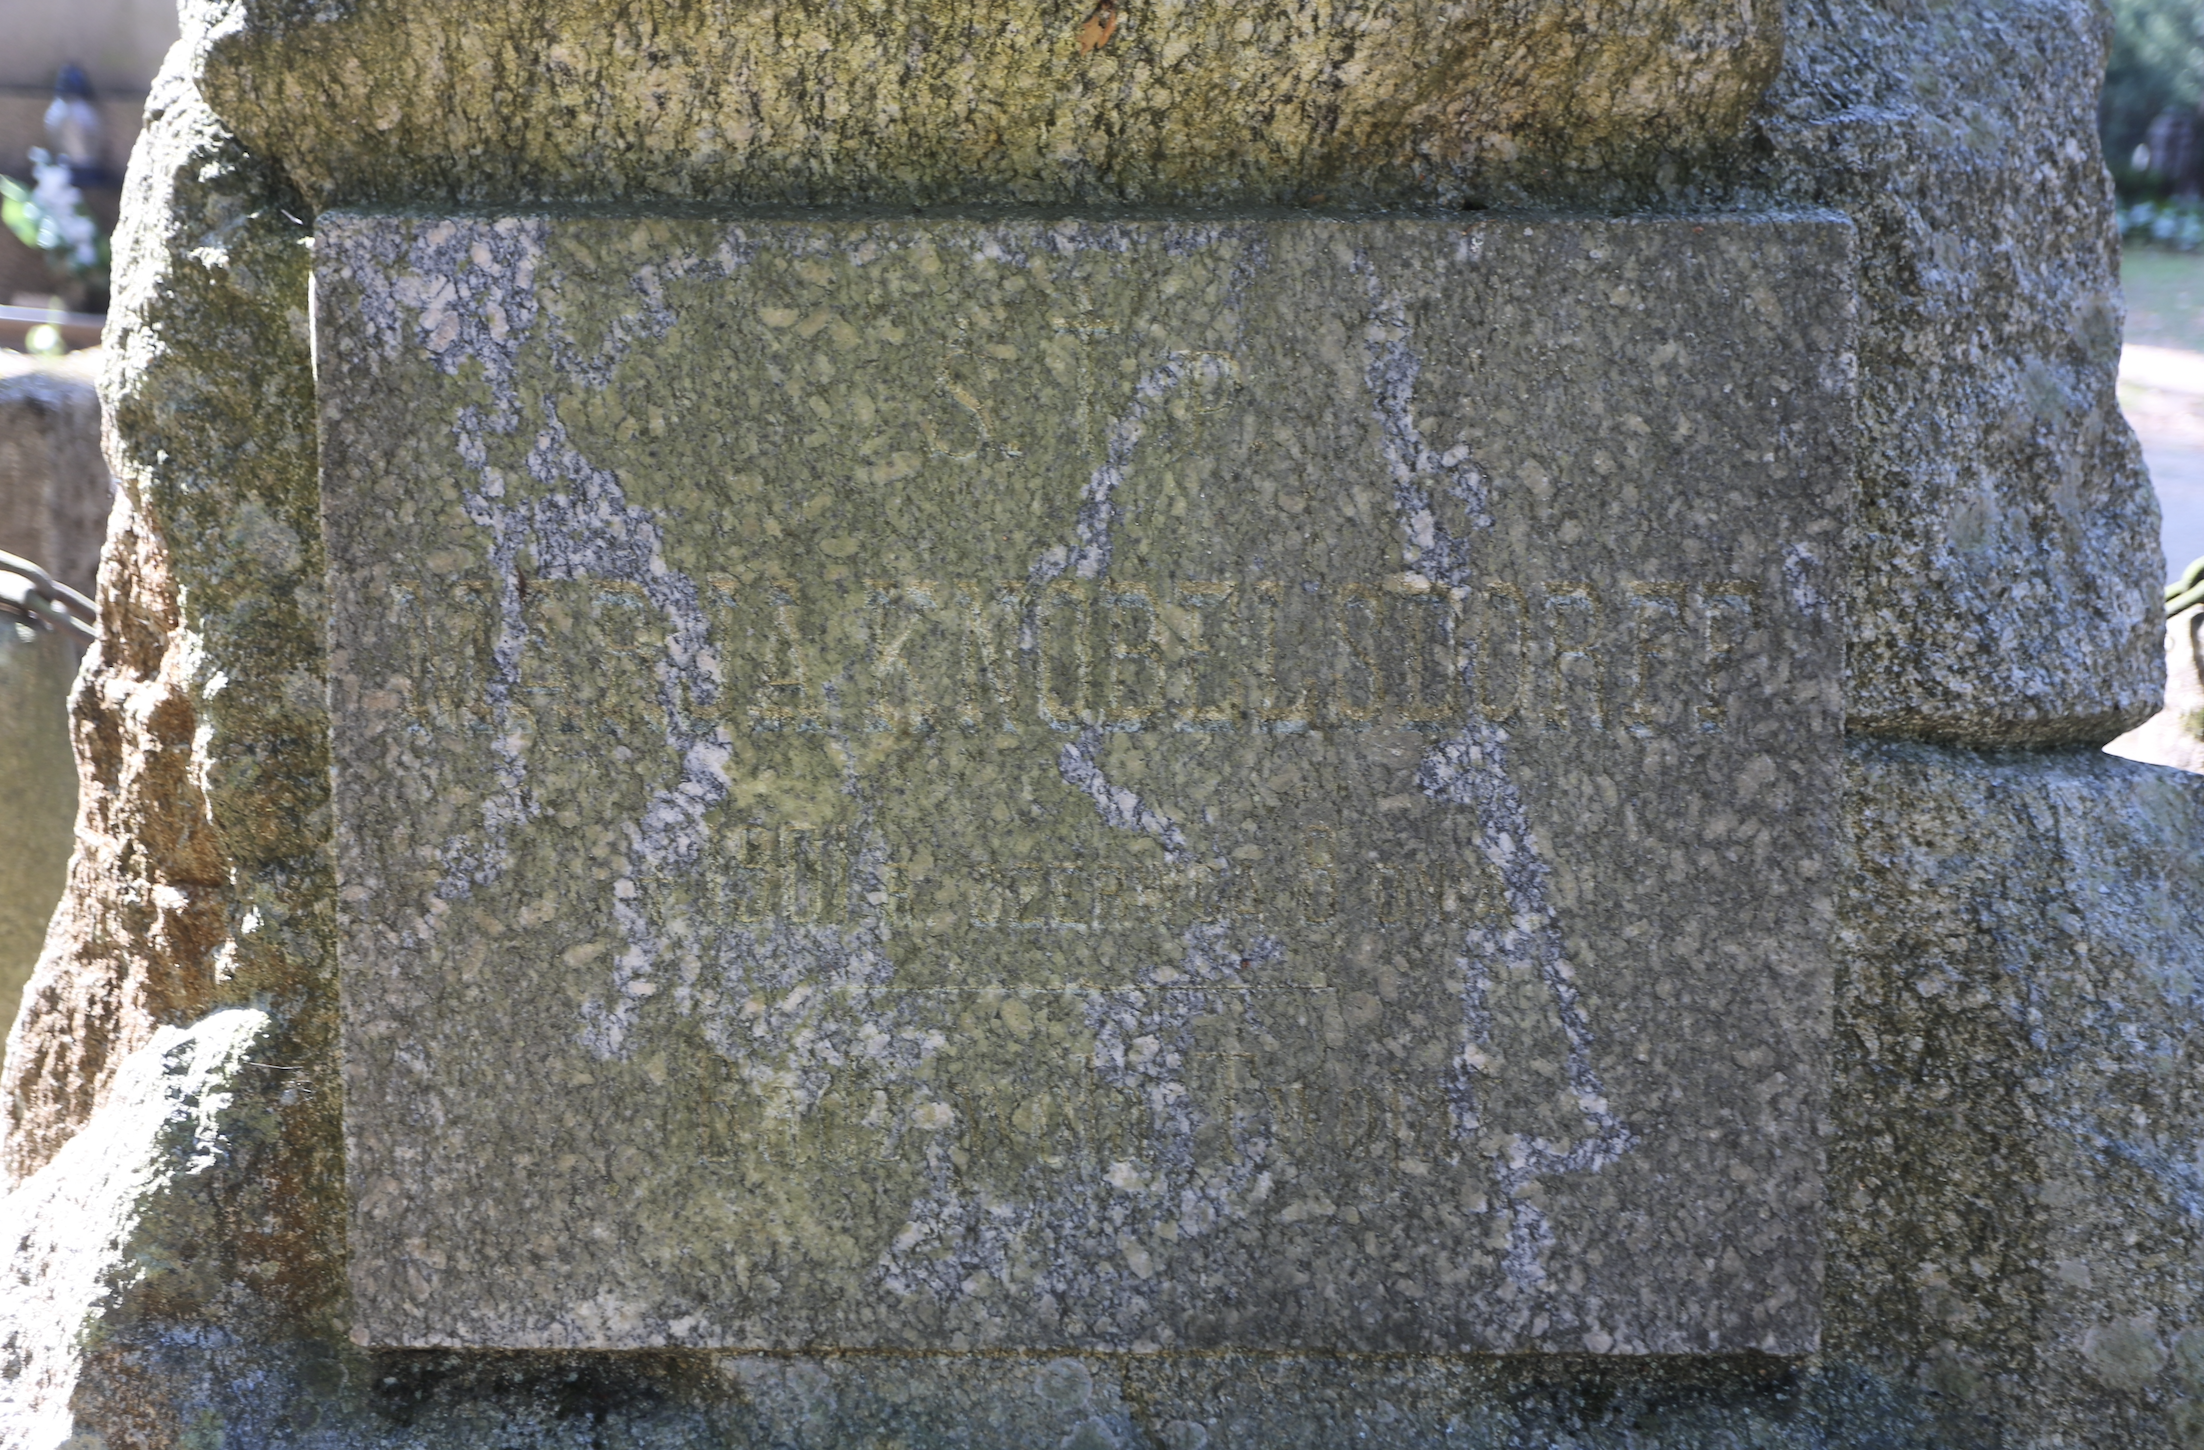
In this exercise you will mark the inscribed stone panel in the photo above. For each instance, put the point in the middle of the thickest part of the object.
(949, 783)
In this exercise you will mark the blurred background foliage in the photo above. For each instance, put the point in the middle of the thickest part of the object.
(2156, 65)
(2150, 122)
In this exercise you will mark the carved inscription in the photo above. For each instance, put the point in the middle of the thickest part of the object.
(1199, 655)
(1237, 783)
(1266, 1065)
(809, 875)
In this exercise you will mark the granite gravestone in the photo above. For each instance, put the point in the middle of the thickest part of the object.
(956, 783)
(55, 494)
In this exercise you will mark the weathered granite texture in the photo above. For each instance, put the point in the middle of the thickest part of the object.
(199, 732)
(1058, 784)
(961, 102)
(124, 1209)
(2005, 563)
(2011, 1243)
(2016, 1164)
(1962, 142)
(2003, 577)
(200, 881)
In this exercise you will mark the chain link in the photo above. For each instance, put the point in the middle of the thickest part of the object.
(32, 597)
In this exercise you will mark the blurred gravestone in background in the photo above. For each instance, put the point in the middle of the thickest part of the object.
(54, 495)
(54, 485)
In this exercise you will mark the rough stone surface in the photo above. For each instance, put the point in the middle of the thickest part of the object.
(198, 719)
(2017, 1119)
(2009, 1267)
(1962, 142)
(200, 881)
(961, 102)
(2005, 561)
(1088, 815)
(112, 1207)
(2007, 1253)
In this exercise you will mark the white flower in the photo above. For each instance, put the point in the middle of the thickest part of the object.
(57, 196)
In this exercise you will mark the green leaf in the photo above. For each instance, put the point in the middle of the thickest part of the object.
(17, 213)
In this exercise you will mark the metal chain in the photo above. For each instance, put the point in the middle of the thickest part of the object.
(31, 596)
(2186, 591)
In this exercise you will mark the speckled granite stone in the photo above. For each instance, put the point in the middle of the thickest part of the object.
(2019, 1136)
(2007, 1211)
(937, 783)
(954, 101)
(55, 490)
(2005, 559)
(2004, 548)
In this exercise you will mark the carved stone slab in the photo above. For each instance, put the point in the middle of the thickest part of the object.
(943, 783)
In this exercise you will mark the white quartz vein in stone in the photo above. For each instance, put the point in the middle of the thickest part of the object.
(459, 291)
(1120, 807)
(1089, 552)
(1088, 556)
(1470, 769)
(471, 289)
(794, 1003)
(1098, 1216)
(1089, 1220)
